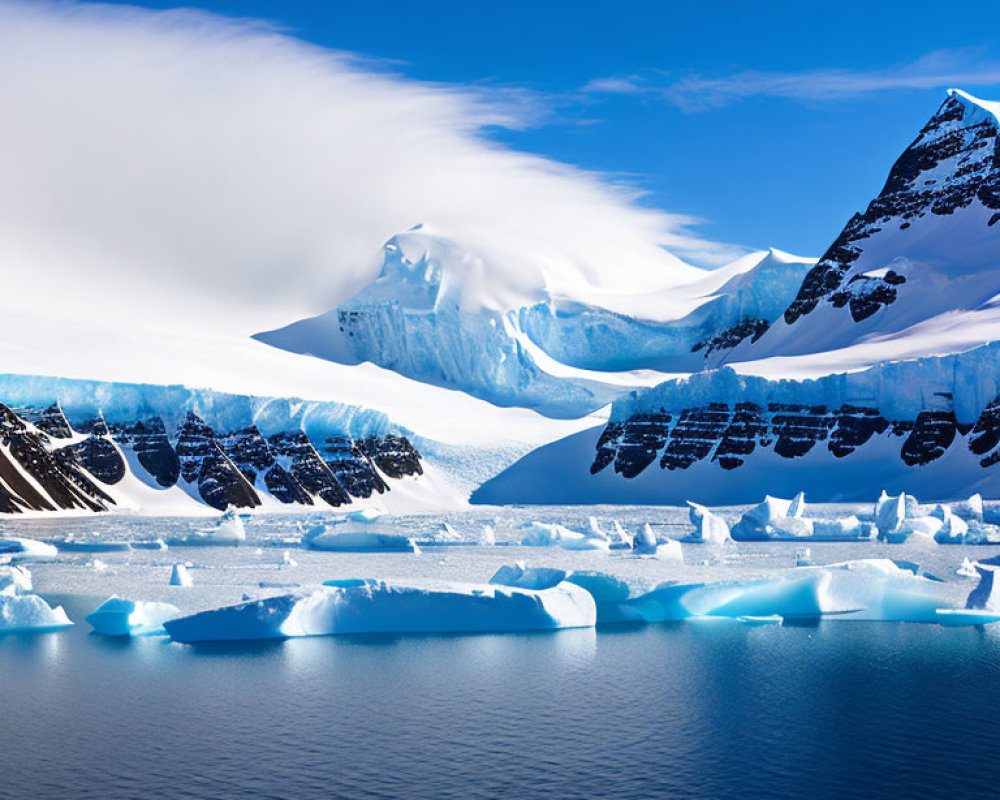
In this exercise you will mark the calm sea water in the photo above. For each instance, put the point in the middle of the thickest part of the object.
(709, 710)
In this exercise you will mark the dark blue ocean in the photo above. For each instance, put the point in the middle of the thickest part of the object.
(699, 710)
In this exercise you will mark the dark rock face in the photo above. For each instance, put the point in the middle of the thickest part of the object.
(51, 420)
(203, 461)
(740, 436)
(221, 484)
(248, 450)
(854, 427)
(909, 193)
(638, 442)
(394, 455)
(28, 456)
(100, 458)
(728, 435)
(228, 469)
(353, 468)
(305, 465)
(695, 435)
(148, 439)
(796, 429)
(932, 434)
(284, 487)
(750, 328)
(985, 435)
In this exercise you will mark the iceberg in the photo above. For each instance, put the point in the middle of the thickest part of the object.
(382, 607)
(953, 530)
(117, 616)
(971, 509)
(29, 612)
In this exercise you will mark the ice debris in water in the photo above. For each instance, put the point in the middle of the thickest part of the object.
(179, 576)
(546, 534)
(287, 560)
(18, 550)
(117, 616)
(14, 580)
(229, 530)
(967, 569)
(487, 536)
(647, 543)
(383, 607)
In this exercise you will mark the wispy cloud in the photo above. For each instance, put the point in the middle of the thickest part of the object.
(698, 92)
(168, 164)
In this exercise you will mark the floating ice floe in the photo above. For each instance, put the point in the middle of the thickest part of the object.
(286, 560)
(179, 576)
(358, 532)
(358, 541)
(117, 616)
(19, 550)
(381, 607)
(72, 545)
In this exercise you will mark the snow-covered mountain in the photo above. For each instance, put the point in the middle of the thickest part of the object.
(562, 356)
(871, 367)
(880, 372)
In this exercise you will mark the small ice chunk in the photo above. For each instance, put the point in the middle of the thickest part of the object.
(487, 536)
(117, 616)
(229, 530)
(27, 612)
(889, 513)
(179, 576)
(709, 527)
(971, 509)
(967, 569)
(287, 560)
(986, 595)
(15, 580)
(528, 578)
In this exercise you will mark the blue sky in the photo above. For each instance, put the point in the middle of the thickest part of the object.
(772, 121)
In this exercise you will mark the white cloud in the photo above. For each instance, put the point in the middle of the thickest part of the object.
(171, 165)
(694, 92)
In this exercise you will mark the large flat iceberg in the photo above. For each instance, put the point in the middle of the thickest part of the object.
(381, 607)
